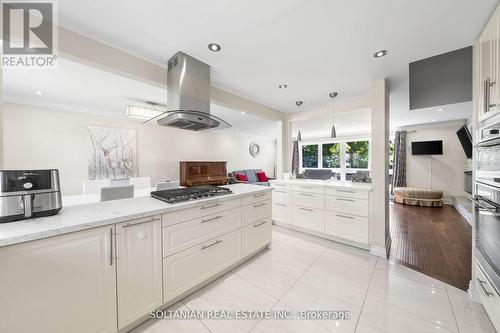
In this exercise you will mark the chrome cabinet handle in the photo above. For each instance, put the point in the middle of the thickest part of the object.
(259, 195)
(111, 246)
(211, 206)
(259, 224)
(487, 94)
(345, 191)
(141, 222)
(306, 195)
(477, 202)
(486, 292)
(307, 209)
(345, 216)
(306, 187)
(204, 247)
(259, 205)
(211, 219)
(342, 199)
(280, 204)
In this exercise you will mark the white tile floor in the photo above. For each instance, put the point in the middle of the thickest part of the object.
(302, 272)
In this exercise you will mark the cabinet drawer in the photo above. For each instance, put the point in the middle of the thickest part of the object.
(346, 192)
(352, 206)
(280, 186)
(308, 218)
(256, 236)
(280, 195)
(181, 236)
(488, 296)
(309, 200)
(186, 269)
(200, 210)
(281, 212)
(251, 199)
(309, 189)
(256, 211)
(347, 226)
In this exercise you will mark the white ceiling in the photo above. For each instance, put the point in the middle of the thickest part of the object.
(75, 87)
(314, 46)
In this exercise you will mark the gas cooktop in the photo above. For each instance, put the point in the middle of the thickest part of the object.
(190, 193)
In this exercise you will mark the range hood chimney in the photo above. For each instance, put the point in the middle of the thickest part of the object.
(188, 95)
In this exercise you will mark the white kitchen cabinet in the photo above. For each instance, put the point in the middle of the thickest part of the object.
(489, 68)
(281, 195)
(181, 236)
(308, 218)
(255, 236)
(310, 200)
(139, 268)
(347, 226)
(185, 270)
(251, 199)
(200, 210)
(339, 211)
(59, 284)
(256, 211)
(282, 212)
(488, 296)
(347, 205)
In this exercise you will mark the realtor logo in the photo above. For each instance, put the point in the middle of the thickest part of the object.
(29, 34)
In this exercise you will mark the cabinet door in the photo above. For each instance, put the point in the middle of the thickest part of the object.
(60, 284)
(487, 69)
(256, 236)
(184, 270)
(139, 273)
(495, 61)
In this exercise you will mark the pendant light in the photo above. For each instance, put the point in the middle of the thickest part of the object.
(333, 134)
(299, 135)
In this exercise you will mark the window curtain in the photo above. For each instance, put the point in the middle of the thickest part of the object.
(399, 165)
(295, 157)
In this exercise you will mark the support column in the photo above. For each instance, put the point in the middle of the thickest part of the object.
(379, 210)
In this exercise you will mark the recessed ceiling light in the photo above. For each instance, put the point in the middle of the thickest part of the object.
(236, 129)
(242, 112)
(433, 120)
(214, 47)
(39, 93)
(380, 53)
(440, 109)
(282, 86)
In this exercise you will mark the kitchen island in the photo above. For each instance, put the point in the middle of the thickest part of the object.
(103, 267)
(338, 211)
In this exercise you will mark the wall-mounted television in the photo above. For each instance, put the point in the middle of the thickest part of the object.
(427, 147)
(466, 140)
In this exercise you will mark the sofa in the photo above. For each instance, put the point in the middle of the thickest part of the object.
(251, 176)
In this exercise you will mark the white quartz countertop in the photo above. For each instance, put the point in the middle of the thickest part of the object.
(86, 216)
(325, 183)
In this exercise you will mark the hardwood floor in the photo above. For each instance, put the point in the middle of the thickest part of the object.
(434, 241)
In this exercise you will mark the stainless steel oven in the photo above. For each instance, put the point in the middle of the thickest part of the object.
(487, 201)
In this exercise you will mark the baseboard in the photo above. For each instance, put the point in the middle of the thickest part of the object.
(379, 251)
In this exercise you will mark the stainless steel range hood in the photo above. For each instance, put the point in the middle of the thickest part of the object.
(188, 95)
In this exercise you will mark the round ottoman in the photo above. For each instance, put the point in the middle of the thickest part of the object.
(418, 196)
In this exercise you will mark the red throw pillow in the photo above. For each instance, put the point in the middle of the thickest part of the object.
(261, 176)
(241, 177)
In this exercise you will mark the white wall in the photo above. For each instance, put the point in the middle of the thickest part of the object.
(41, 138)
(447, 169)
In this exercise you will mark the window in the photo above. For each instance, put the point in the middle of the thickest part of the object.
(310, 156)
(356, 153)
(331, 155)
(344, 157)
(391, 154)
